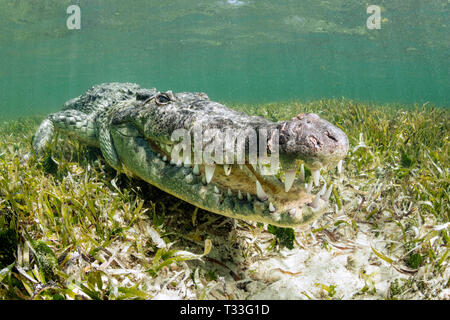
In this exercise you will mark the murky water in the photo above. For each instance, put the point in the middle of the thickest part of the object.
(235, 50)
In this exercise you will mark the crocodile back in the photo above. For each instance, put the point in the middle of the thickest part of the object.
(104, 96)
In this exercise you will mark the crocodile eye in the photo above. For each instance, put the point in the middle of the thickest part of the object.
(162, 99)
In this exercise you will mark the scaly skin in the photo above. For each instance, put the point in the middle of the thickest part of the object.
(133, 128)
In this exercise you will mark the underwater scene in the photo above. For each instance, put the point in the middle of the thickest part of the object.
(224, 150)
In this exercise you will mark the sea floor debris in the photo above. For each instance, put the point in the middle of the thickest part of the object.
(71, 228)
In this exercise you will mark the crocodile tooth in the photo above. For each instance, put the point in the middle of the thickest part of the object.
(309, 187)
(165, 158)
(271, 207)
(260, 192)
(216, 190)
(289, 178)
(172, 162)
(316, 176)
(168, 148)
(323, 190)
(316, 201)
(241, 166)
(227, 169)
(209, 172)
(249, 197)
(187, 162)
(159, 155)
(339, 167)
(328, 193)
(204, 180)
(293, 212)
(196, 170)
(240, 197)
(229, 192)
(302, 172)
(275, 216)
(179, 163)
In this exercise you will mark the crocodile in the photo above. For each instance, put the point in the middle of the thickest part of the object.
(134, 129)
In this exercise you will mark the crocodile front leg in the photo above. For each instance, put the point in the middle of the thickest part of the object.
(70, 122)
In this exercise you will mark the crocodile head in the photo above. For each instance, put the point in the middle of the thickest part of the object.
(143, 134)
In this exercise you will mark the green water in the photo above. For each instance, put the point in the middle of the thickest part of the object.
(252, 51)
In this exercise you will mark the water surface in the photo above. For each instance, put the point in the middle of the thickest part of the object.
(244, 51)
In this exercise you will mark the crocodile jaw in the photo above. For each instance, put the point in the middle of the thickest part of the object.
(234, 195)
(143, 136)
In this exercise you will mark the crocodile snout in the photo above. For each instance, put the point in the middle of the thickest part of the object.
(313, 139)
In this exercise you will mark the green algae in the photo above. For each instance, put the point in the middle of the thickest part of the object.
(8, 247)
(284, 236)
(46, 259)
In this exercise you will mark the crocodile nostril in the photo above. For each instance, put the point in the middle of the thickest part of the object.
(329, 135)
(316, 143)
